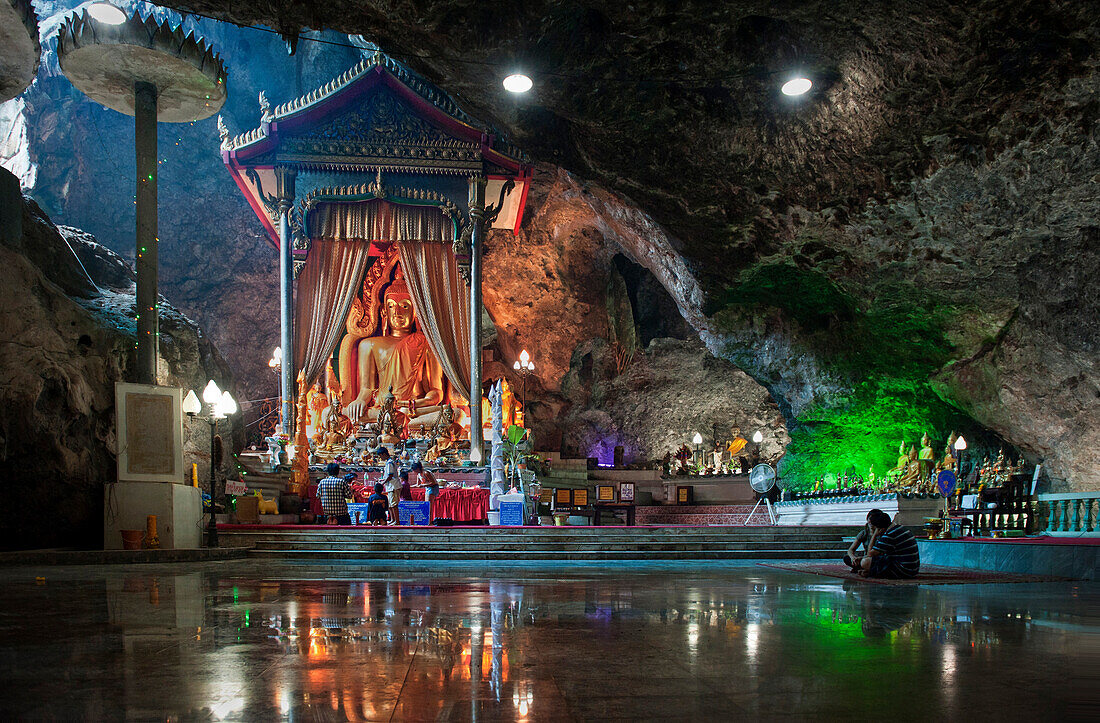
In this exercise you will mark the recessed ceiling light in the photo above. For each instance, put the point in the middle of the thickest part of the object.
(517, 83)
(106, 13)
(796, 86)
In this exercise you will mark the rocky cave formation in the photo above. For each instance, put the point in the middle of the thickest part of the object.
(910, 247)
(67, 315)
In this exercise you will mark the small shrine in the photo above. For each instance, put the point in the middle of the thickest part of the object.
(377, 190)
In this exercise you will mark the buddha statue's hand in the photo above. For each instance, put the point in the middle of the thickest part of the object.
(356, 410)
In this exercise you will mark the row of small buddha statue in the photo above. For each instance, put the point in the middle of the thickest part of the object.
(916, 471)
(337, 435)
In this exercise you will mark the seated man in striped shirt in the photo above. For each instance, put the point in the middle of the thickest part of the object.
(892, 552)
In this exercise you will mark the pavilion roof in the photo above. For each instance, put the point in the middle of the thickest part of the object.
(327, 98)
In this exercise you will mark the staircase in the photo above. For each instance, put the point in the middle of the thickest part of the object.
(523, 544)
(565, 473)
(706, 515)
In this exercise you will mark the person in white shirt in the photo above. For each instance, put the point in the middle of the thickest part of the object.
(390, 479)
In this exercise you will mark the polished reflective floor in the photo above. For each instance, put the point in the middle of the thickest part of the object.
(240, 640)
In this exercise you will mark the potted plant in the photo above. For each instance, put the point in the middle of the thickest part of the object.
(517, 442)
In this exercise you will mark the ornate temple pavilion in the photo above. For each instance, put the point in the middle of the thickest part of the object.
(374, 189)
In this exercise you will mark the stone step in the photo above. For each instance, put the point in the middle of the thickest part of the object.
(531, 535)
(534, 555)
(833, 546)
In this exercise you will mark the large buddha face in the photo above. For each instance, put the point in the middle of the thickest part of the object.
(400, 314)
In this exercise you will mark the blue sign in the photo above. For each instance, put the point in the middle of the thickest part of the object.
(410, 512)
(358, 513)
(945, 480)
(511, 513)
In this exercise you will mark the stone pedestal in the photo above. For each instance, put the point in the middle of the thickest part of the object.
(178, 509)
(909, 511)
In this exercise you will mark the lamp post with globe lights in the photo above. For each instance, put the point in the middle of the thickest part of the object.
(221, 405)
(524, 366)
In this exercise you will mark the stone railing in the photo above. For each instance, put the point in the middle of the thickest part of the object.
(1072, 513)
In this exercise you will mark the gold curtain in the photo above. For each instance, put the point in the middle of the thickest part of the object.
(326, 287)
(442, 302)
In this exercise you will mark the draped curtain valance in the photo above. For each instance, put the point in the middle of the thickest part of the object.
(379, 221)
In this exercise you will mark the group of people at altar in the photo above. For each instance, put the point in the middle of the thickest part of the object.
(336, 492)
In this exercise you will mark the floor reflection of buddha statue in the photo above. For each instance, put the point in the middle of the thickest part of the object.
(396, 358)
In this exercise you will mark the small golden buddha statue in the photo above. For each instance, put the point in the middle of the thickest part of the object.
(911, 478)
(903, 461)
(391, 425)
(926, 456)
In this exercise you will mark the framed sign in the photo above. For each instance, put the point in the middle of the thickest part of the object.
(580, 497)
(546, 497)
(685, 495)
(605, 493)
(149, 421)
(563, 497)
(626, 492)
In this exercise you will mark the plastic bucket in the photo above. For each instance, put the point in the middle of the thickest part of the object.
(132, 539)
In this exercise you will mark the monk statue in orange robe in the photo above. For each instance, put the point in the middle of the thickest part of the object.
(397, 359)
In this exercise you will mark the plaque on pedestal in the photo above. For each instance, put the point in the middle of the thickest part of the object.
(511, 513)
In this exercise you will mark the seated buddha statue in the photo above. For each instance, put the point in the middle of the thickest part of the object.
(387, 352)
(903, 462)
(911, 478)
(926, 457)
(334, 437)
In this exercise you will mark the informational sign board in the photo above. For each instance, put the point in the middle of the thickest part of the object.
(564, 497)
(358, 512)
(580, 497)
(511, 513)
(626, 491)
(150, 433)
(605, 493)
(412, 512)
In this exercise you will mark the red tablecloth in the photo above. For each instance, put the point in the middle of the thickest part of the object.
(461, 505)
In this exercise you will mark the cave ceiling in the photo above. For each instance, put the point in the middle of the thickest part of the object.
(676, 104)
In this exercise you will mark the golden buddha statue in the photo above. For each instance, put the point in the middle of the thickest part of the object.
(445, 426)
(334, 436)
(383, 351)
(926, 457)
(391, 424)
(911, 478)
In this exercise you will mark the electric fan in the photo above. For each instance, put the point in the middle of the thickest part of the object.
(762, 480)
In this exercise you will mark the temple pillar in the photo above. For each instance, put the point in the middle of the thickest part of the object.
(285, 195)
(145, 239)
(477, 212)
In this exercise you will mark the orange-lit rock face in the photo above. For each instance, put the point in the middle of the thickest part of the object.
(597, 326)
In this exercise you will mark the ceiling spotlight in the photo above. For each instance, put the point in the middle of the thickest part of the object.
(106, 13)
(796, 86)
(517, 83)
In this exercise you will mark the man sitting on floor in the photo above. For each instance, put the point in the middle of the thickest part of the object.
(334, 493)
(892, 551)
(853, 556)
